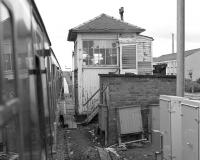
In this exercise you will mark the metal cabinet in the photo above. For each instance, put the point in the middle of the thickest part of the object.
(170, 126)
(190, 130)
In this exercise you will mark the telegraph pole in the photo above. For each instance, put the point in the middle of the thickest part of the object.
(172, 42)
(180, 47)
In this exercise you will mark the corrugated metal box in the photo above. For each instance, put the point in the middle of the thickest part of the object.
(130, 120)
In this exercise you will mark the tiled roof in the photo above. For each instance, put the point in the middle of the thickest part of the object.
(172, 56)
(104, 24)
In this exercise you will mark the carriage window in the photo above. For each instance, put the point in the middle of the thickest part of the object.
(7, 57)
(8, 138)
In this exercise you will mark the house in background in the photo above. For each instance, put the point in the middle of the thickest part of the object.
(192, 67)
(104, 45)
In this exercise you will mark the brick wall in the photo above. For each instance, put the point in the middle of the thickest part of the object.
(141, 90)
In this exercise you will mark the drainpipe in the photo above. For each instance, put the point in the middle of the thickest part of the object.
(119, 56)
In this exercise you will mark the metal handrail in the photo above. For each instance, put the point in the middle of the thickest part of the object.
(94, 95)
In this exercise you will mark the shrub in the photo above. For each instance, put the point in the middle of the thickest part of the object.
(196, 87)
(198, 80)
(188, 85)
(192, 86)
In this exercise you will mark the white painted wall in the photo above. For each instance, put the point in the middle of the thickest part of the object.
(91, 83)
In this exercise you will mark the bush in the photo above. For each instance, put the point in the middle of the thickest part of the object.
(196, 87)
(192, 86)
(188, 85)
(198, 81)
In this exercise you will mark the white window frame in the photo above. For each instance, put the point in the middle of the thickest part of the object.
(103, 65)
(121, 69)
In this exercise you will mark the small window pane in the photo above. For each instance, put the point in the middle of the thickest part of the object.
(103, 58)
(114, 56)
(108, 56)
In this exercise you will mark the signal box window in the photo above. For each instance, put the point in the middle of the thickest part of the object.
(99, 52)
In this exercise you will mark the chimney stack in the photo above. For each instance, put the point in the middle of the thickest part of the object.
(121, 12)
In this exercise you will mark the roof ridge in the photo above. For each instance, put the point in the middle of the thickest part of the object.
(109, 17)
(88, 21)
(124, 22)
(104, 23)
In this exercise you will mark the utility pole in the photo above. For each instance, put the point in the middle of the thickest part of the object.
(180, 47)
(172, 42)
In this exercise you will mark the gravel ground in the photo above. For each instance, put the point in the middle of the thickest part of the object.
(61, 148)
(80, 144)
(77, 144)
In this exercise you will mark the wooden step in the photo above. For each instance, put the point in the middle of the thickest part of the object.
(91, 115)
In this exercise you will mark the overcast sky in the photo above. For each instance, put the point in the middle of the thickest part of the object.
(158, 17)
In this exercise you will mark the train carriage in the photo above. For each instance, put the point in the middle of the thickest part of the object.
(30, 84)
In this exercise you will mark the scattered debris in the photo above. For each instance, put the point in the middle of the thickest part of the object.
(122, 147)
(71, 153)
(90, 153)
(103, 153)
(134, 145)
(113, 151)
(92, 132)
(140, 140)
(148, 155)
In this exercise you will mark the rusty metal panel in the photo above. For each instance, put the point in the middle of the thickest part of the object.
(130, 120)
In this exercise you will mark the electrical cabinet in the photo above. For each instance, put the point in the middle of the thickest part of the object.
(190, 130)
(170, 126)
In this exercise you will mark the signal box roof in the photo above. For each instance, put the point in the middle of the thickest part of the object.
(103, 24)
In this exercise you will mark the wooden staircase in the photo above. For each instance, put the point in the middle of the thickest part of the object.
(92, 114)
(94, 107)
